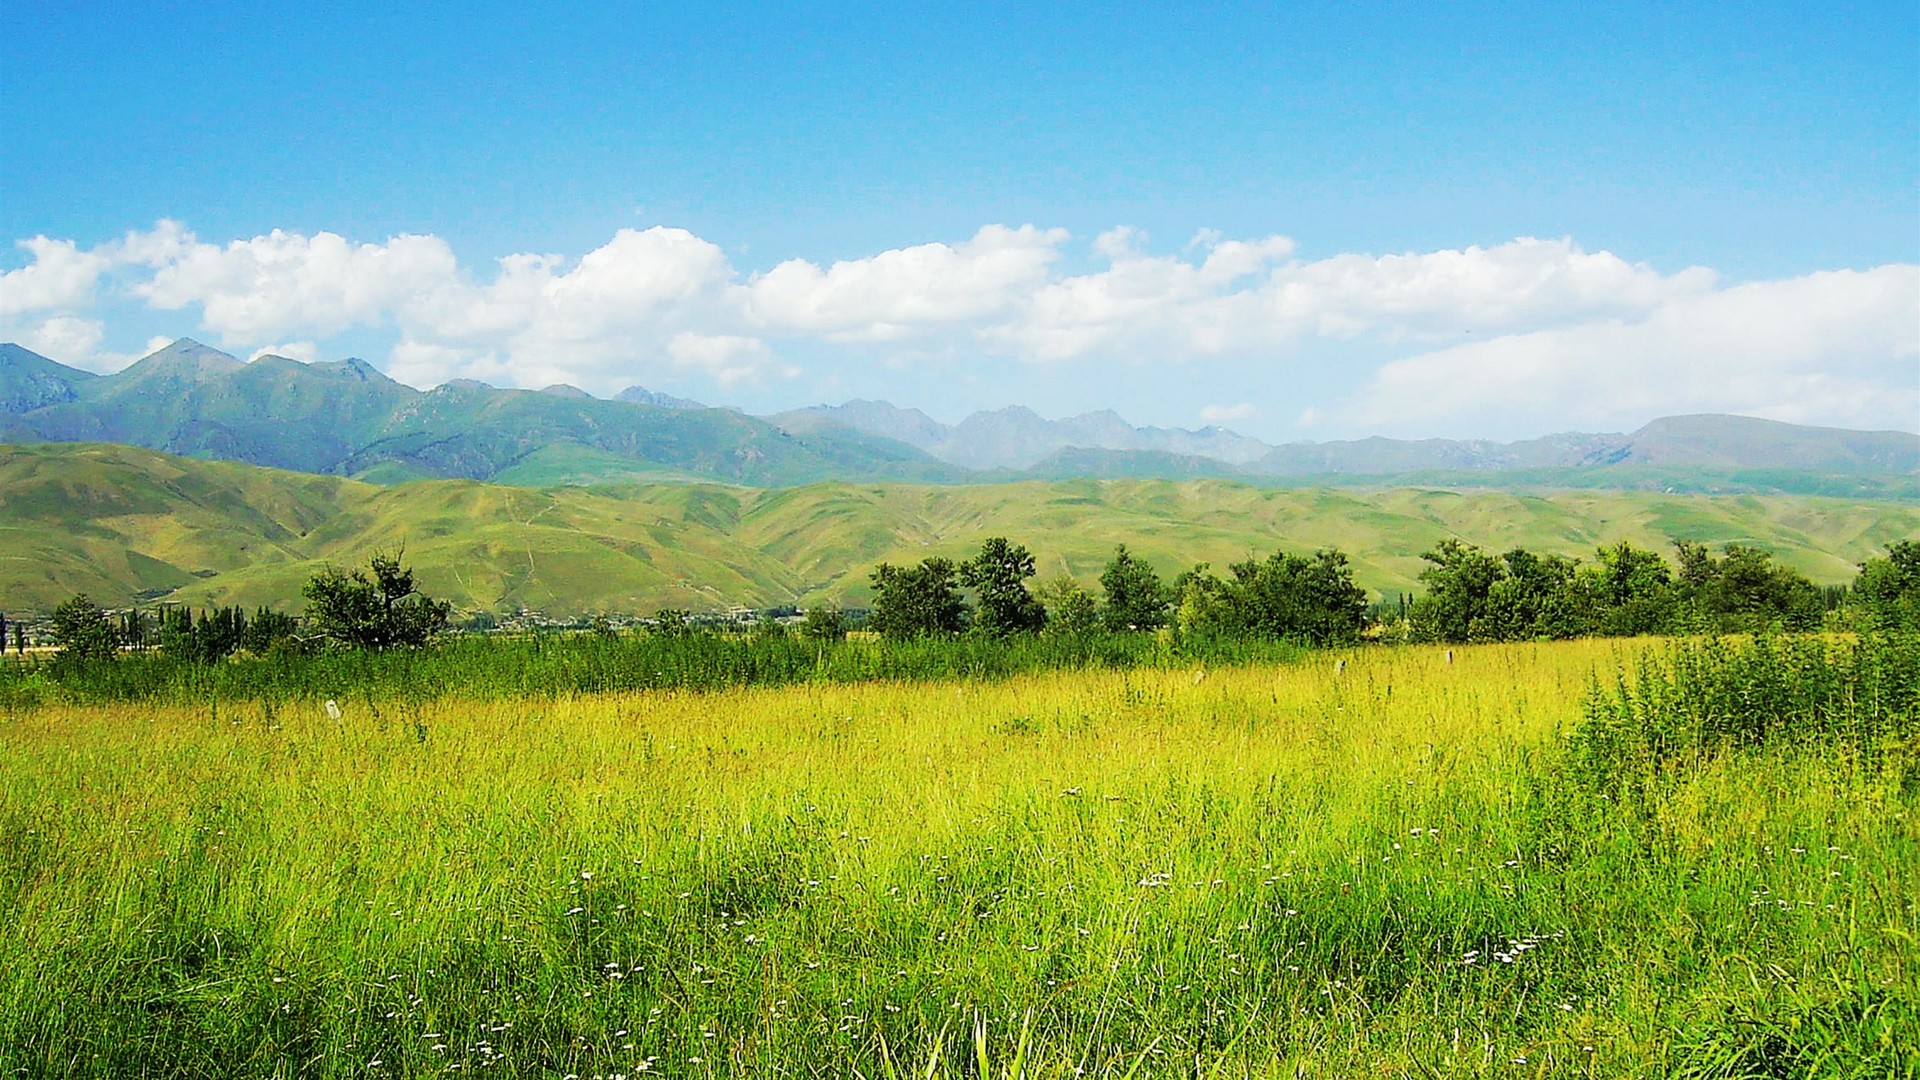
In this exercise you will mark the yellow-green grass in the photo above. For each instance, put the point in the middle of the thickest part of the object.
(122, 523)
(1362, 864)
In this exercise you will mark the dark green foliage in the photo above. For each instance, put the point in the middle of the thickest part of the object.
(270, 629)
(82, 631)
(1070, 608)
(211, 635)
(1136, 599)
(379, 611)
(1634, 589)
(1520, 596)
(917, 601)
(1887, 591)
(998, 576)
(132, 630)
(672, 622)
(824, 623)
(1744, 591)
(1539, 597)
(1291, 597)
(1472, 596)
(202, 637)
(1459, 586)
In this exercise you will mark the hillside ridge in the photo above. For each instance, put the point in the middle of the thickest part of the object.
(126, 525)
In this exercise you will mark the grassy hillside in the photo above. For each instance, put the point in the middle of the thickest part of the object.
(121, 523)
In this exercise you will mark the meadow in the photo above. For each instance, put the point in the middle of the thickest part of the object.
(128, 526)
(1586, 858)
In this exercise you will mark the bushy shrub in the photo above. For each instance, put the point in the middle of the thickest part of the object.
(1707, 697)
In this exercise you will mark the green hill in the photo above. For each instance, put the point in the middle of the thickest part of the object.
(125, 524)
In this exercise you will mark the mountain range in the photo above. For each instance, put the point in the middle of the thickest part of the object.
(346, 418)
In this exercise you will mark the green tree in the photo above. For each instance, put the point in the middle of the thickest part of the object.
(1743, 590)
(1299, 597)
(1305, 598)
(81, 630)
(1070, 608)
(824, 623)
(1135, 597)
(1203, 604)
(998, 575)
(380, 610)
(917, 601)
(268, 630)
(1887, 589)
(1633, 591)
(672, 622)
(1459, 587)
(1536, 597)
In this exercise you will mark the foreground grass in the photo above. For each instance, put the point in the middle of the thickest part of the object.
(1274, 870)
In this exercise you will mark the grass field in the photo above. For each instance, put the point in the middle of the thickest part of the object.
(1366, 863)
(121, 523)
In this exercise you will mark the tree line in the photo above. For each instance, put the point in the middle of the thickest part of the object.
(1470, 595)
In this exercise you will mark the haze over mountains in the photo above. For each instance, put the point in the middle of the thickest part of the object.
(346, 418)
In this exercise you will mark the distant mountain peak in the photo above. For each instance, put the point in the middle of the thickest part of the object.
(354, 368)
(1016, 437)
(640, 395)
(185, 357)
(30, 381)
(565, 390)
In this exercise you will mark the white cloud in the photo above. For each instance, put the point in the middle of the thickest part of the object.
(727, 358)
(1227, 414)
(906, 292)
(1835, 347)
(304, 351)
(284, 283)
(67, 338)
(1540, 326)
(59, 276)
(1243, 298)
(601, 323)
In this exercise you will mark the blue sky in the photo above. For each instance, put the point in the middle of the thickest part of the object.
(1308, 223)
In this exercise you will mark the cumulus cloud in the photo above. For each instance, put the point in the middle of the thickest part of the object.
(284, 282)
(60, 275)
(1452, 337)
(1244, 296)
(64, 336)
(903, 293)
(1833, 347)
